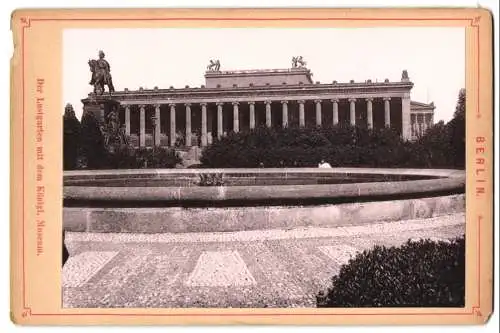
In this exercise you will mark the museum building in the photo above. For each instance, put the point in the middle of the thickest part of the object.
(240, 100)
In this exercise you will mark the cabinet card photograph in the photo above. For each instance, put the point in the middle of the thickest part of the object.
(223, 166)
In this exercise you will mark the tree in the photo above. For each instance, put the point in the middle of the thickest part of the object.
(456, 128)
(444, 144)
(436, 144)
(92, 141)
(71, 138)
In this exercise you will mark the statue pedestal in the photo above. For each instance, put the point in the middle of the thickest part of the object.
(98, 111)
(101, 108)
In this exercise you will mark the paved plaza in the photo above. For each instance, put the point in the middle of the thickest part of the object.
(262, 268)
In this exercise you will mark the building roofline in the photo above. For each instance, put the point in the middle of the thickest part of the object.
(423, 105)
(260, 72)
(264, 87)
(301, 70)
(367, 89)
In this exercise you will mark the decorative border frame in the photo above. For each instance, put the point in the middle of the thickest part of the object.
(28, 311)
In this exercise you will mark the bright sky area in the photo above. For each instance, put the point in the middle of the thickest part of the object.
(433, 57)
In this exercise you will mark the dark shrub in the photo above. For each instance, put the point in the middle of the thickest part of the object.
(157, 157)
(127, 157)
(122, 157)
(418, 274)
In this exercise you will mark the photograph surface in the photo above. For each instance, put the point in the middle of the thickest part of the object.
(247, 167)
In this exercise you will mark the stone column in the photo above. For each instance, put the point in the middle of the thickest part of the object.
(203, 124)
(127, 120)
(387, 110)
(318, 112)
(236, 117)
(209, 127)
(219, 119)
(173, 128)
(405, 108)
(142, 125)
(426, 121)
(268, 113)
(369, 112)
(352, 109)
(251, 105)
(157, 128)
(284, 109)
(188, 124)
(335, 103)
(421, 123)
(302, 116)
(413, 125)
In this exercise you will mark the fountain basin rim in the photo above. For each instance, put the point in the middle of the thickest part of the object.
(90, 174)
(450, 181)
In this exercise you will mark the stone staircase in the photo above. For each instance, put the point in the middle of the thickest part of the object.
(189, 155)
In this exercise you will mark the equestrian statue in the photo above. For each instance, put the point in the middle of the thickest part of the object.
(100, 74)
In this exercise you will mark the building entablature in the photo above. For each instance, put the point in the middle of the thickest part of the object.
(413, 111)
(422, 108)
(259, 93)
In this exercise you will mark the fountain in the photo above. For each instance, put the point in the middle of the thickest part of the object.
(173, 200)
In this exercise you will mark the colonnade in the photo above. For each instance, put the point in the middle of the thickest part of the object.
(420, 122)
(186, 108)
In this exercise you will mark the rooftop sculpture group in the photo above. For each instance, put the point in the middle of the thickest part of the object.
(298, 62)
(214, 65)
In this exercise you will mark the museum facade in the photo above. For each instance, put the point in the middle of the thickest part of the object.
(240, 100)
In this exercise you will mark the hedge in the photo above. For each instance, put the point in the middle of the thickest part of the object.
(420, 273)
(306, 147)
(157, 157)
(127, 157)
(442, 146)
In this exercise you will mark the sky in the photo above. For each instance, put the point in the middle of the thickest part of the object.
(164, 57)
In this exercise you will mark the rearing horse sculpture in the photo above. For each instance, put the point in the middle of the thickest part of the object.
(100, 75)
(214, 65)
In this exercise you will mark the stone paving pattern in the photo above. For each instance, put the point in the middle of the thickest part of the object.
(267, 268)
